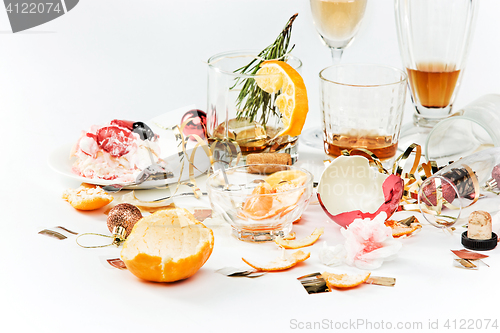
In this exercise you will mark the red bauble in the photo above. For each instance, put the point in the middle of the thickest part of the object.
(495, 173)
(429, 193)
(196, 123)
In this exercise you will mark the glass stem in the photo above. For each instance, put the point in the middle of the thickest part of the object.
(336, 55)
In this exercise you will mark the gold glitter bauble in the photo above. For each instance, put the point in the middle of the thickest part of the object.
(124, 215)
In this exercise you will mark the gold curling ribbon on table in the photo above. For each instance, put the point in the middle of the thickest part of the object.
(413, 180)
(181, 148)
(151, 206)
(373, 160)
(184, 156)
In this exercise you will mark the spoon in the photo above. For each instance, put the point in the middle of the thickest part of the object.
(187, 194)
(148, 173)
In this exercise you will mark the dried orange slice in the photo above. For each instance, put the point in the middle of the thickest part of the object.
(343, 281)
(297, 244)
(292, 102)
(286, 261)
(399, 229)
(290, 236)
(87, 197)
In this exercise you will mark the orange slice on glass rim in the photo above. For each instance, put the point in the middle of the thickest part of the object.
(282, 263)
(292, 101)
(343, 281)
(297, 244)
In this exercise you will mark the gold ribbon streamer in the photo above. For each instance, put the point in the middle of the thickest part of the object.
(374, 159)
(414, 179)
(400, 162)
(184, 156)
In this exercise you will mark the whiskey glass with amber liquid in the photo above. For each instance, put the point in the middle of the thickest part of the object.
(434, 40)
(337, 23)
(228, 119)
(362, 107)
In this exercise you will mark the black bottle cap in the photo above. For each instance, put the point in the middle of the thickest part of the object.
(479, 244)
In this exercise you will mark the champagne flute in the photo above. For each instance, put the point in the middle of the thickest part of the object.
(337, 22)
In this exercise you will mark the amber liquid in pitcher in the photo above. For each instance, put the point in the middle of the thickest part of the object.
(433, 83)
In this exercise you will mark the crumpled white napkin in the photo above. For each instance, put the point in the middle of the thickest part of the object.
(368, 243)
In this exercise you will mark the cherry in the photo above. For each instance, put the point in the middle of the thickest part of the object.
(128, 124)
(115, 140)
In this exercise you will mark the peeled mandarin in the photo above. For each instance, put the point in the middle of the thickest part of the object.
(166, 246)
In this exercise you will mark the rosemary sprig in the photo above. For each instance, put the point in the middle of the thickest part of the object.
(251, 98)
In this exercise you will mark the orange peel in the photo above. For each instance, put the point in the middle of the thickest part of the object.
(282, 263)
(344, 281)
(399, 229)
(299, 243)
(87, 197)
(274, 196)
(258, 206)
(292, 178)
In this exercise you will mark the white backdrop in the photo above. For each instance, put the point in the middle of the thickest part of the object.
(126, 59)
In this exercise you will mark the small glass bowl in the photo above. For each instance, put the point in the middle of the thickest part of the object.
(256, 211)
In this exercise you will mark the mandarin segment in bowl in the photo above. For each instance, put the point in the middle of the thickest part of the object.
(295, 177)
(280, 186)
(258, 206)
(260, 212)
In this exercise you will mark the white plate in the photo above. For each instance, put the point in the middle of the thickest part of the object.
(60, 161)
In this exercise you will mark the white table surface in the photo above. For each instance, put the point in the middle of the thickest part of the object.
(137, 59)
